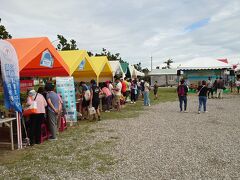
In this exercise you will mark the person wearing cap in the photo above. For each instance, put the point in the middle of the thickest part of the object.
(36, 119)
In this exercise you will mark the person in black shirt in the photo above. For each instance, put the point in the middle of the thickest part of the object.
(182, 91)
(202, 96)
(95, 100)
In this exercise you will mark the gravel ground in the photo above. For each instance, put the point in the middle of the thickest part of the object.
(163, 143)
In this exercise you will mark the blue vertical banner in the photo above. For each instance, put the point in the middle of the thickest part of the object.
(10, 76)
(65, 87)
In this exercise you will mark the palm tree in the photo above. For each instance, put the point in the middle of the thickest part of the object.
(168, 62)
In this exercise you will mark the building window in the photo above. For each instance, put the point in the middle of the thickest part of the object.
(170, 77)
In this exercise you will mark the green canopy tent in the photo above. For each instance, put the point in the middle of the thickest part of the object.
(126, 70)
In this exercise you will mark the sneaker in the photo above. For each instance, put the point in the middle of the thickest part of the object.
(134, 102)
(52, 139)
(205, 111)
(149, 105)
(131, 102)
(185, 111)
(199, 112)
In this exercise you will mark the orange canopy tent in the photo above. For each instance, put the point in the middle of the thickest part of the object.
(30, 50)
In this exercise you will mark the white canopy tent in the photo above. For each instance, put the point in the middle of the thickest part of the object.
(132, 71)
(135, 73)
(116, 68)
(140, 74)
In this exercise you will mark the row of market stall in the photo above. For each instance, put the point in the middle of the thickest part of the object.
(39, 58)
(33, 58)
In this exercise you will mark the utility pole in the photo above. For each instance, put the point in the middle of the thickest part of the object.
(151, 62)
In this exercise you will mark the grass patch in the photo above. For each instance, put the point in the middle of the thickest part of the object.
(73, 151)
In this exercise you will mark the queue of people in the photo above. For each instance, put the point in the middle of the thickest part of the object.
(50, 106)
(114, 94)
(49, 109)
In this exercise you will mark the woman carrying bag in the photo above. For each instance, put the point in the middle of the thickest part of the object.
(37, 118)
(202, 96)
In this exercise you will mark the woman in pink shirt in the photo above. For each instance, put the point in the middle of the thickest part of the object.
(108, 97)
(36, 119)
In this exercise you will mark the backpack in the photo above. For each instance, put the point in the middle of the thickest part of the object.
(87, 94)
(181, 90)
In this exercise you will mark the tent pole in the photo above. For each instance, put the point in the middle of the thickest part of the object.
(19, 130)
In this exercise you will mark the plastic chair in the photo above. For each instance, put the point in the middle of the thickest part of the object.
(44, 132)
(63, 124)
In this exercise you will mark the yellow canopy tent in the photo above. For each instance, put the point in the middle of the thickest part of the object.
(102, 68)
(80, 65)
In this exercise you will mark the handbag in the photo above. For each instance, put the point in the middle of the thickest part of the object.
(32, 109)
(91, 110)
(87, 95)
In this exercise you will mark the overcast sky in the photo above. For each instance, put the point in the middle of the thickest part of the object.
(137, 29)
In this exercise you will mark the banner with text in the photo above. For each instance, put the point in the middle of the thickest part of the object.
(10, 75)
(65, 87)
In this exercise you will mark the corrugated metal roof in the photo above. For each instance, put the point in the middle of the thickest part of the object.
(156, 72)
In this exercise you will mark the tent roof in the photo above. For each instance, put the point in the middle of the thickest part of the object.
(115, 65)
(73, 59)
(139, 73)
(156, 72)
(124, 67)
(29, 51)
(204, 63)
(101, 65)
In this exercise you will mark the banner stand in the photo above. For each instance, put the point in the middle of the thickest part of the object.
(19, 130)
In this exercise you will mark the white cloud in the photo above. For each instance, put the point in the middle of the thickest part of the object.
(136, 29)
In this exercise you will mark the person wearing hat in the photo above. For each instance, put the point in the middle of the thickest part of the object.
(36, 119)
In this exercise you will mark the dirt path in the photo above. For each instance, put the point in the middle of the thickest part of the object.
(165, 144)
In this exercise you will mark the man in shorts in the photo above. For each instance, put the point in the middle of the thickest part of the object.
(95, 100)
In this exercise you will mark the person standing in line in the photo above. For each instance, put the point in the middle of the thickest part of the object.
(54, 108)
(142, 88)
(133, 91)
(220, 87)
(146, 94)
(155, 90)
(238, 85)
(128, 89)
(124, 89)
(210, 87)
(117, 93)
(110, 87)
(86, 94)
(108, 97)
(36, 119)
(95, 100)
(202, 97)
(215, 87)
(182, 91)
